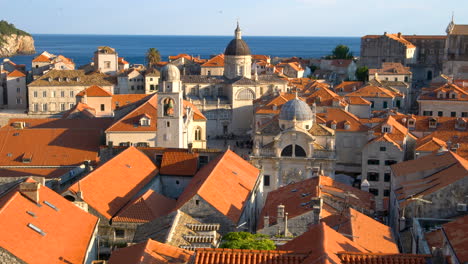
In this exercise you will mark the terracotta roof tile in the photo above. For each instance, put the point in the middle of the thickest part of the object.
(179, 163)
(458, 139)
(225, 183)
(15, 74)
(145, 208)
(122, 61)
(41, 58)
(246, 256)
(400, 39)
(374, 91)
(390, 68)
(340, 117)
(82, 108)
(372, 258)
(348, 86)
(365, 231)
(122, 100)
(322, 245)
(150, 252)
(434, 238)
(130, 122)
(67, 230)
(357, 100)
(111, 186)
(74, 78)
(341, 63)
(446, 90)
(94, 91)
(216, 61)
(291, 196)
(455, 232)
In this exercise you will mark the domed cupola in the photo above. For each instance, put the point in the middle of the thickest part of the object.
(237, 59)
(296, 112)
(170, 73)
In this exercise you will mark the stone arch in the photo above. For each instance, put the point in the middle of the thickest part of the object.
(245, 94)
(287, 151)
(299, 151)
(168, 106)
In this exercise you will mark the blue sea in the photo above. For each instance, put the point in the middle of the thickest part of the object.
(80, 48)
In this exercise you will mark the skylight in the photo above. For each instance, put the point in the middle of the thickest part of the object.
(37, 229)
(51, 205)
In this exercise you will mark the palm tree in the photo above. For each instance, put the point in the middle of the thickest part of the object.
(152, 57)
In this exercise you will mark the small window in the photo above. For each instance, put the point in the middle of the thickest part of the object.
(266, 180)
(71, 105)
(464, 114)
(386, 193)
(373, 162)
(453, 114)
(374, 191)
(387, 176)
(62, 93)
(440, 113)
(35, 94)
(372, 104)
(17, 79)
(44, 94)
(390, 162)
(62, 107)
(197, 202)
(119, 233)
(168, 124)
(383, 149)
(177, 182)
(72, 94)
(103, 107)
(427, 113)
(307, 126)
(18, 90)
(373, 176)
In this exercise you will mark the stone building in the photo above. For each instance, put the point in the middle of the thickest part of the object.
(445, 100)
(380, 98)
(293, 146)
(131, 81)
(214, 66)
(16, 90)
(98, 100)
(55, 92)
(227, 101)
(47, 61)
(456, 51)
(106, 60)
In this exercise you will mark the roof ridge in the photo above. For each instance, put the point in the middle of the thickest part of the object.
(134, 110)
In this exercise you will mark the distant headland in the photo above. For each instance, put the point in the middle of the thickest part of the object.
(14, 41)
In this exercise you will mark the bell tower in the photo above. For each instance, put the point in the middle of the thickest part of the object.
(170, 126)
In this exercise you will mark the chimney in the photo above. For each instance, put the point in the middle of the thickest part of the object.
(399, 34)
(365, 185)
(266, 221)
(280, 215)
(40, 180)
(286, 231)
(316, 205)
(30, 190)
(190, 147)
(110, 144)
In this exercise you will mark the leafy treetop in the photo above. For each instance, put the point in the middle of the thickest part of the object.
(10, 29)
(341, 52)
(245, 240)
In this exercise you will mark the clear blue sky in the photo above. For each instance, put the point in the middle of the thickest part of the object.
(218, 17)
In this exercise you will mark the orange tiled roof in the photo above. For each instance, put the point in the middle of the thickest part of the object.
(401, 40)
(371, 258)
(216, 61)
(122, 61)
(94, 91)
(316, 187)
(145, 208)
(150, 252)
(325, 97)
(398, 133)
(277, 102)
(325, 247)
(427, 174)
(446, 89)
(434, 238)
(455, 232)
(246, 256)
(51, 142)
(67, 230)
(456, 138)
(374, 91)
(341, 63)
(110, 187)
(365, 231)
(391, 68)
(82, 108)
(122, 100)
(260, 57)
(61, 58)
(225, 183)
(197, 114)
(357, 100)
(430, 143)
(16, 73)
(340, 116)
(179, 163)
(130, 122)
(41, 58)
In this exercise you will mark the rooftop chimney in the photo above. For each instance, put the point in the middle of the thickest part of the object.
(30, 190)
(316, 205)
(280, 214)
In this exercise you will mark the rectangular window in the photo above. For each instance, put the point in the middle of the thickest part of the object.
(372, 104)
(427, 113)
(464, 114)
(44, 94)
(396, 79)
(18, 100)
(152, 87)
(107, 64)
(383, 148)
(406, 78)
(18, 90)
(102, 107)
(374, 191)
(119, 233)
(453, 114)
(386, 193)
(390, 162)
(168, 124)
(373, 162)
(44, 108)
(266, 180)
(398, 103)
(62, 107)
(36, 107)
(62, 93)
(71, 106)
(385, 104)
(133, 87)
(35, 94)
(440, 113)
(387, 176)
(17, 79)
(373, 176)
(72, 94)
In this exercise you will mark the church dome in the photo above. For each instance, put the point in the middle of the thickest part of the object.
(297, 109)
(170, 73)
(237, 47)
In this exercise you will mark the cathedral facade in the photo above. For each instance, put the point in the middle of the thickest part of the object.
(227, 101)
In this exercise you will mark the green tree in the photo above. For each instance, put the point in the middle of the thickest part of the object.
(245, 240)
(362, 73)
(152, 57)
(341, 52)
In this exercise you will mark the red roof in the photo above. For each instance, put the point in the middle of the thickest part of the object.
(456, 233)
(216, 61)
(112, 185)
(322, 244)
(16, 73)
(67, 230)
(179, 163)
(94, 91)
(246, 256)
(122, 61)
(130, 122)
(41, 58)
(372, 258)
(122, 100)
(150, 252)
(365, 231)
(145, 208)
(225, 183)
(315, 187)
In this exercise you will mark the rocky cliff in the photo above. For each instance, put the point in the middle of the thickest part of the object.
(16, 44)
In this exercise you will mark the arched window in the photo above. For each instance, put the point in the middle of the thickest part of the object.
(287, 151)
(198, 133)
(168, 107)
(299, 151)
(245, 94)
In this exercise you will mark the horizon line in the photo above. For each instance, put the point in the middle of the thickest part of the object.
(175, 35)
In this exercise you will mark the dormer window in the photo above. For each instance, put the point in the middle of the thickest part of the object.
(432, 123)
(440, 95)
(453, 95)
(49, 79)
(347, 125)
(145, 121)
(59, 79)
(386, 129)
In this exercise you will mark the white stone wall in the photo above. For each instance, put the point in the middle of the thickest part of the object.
(151, 84)
(212, 71)
(361, 111)
(132, 137)
(445, 106)
(235, 66)
(16, 90)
